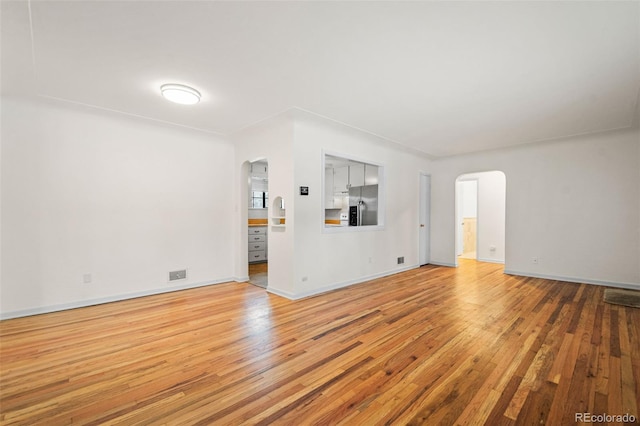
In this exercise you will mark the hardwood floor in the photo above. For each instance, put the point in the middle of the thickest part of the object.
(433, 345)
(258, 268)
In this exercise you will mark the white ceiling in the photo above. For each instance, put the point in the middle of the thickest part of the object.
(440, 77)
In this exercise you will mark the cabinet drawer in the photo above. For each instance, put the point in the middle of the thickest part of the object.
(258, 230)
(257, 246)
(257, 256)
(257, 238)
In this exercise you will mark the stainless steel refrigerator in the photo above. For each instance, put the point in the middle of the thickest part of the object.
(363, 205)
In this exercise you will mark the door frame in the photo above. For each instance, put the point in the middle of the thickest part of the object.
(459, 230)
(424, 219)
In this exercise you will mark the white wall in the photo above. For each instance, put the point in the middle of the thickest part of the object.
(127, 200)
(469, 191)
(270, 140)
(124, 199)
(574, 204)
(329, 260)
(303, 260)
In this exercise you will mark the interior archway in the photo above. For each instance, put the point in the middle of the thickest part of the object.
(258, 207)
(480, 216)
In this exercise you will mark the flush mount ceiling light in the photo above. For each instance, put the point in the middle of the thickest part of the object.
(180, 94)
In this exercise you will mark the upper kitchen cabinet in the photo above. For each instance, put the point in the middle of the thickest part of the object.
(353, 174)
(356, 175)
(328, 188)
(371, 175)
(259, 169)
(341, 180)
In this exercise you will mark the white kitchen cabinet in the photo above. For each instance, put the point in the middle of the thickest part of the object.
(257, 244)
(259, 169)
(371, 175)
(340, 180)
(328, 188)
(356, 175)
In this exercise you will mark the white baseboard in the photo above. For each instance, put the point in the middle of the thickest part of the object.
(490, 260)
(631, 286)
(290, 295)
(447, 264)
(336, 286)
(282, 293)
(109, 299)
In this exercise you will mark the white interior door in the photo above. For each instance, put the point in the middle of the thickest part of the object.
(425, 209)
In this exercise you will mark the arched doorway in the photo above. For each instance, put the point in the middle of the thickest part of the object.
(480, 216)
(257, 222)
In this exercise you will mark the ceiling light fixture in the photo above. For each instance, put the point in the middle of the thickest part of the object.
(180, 94)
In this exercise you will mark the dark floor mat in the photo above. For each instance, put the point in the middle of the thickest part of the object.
(622, 297)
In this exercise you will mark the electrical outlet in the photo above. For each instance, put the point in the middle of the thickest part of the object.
(400, 260)
(305, 278)
(178, 275)
(86, 278)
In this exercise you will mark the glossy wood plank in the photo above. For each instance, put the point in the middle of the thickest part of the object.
(433, 345)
